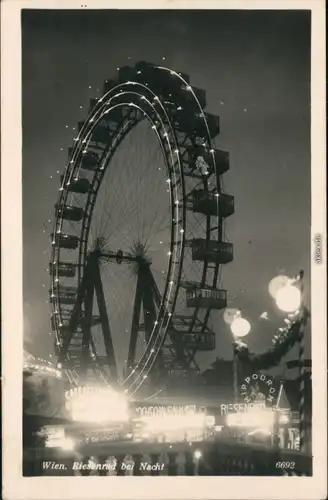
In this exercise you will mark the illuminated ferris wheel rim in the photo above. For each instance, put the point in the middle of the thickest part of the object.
(121, 96)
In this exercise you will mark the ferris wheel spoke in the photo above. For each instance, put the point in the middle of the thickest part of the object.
(160, 228)
(115, 228)
(126, 216)
(129, 202)
(151, 206)
(102, 221)
(124, 222)
(102, 231)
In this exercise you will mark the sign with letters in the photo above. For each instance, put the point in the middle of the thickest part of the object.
(239, 407)
(258, 387)
(141, 410)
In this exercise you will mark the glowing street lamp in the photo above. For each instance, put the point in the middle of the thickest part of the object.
(230, 314)
(197, 457)
(276, 283)
(240, 327)
(287, 292)
(288, 298)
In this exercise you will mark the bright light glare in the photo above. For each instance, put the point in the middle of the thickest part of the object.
(101, 405)
(284, 419)
(210, 420)
(230, 314)
(263, 419)
(55, 436)
(67, 444)
(264, 432)
(60, 441)
(198, 454)
(288, 298)
(173, 422)
(277, 283)
(240, 327)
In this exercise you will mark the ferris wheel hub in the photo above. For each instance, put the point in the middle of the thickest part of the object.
(139, 251)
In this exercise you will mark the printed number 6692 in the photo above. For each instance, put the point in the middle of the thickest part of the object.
(285, 465)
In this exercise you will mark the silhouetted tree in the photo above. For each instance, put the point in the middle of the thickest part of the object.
(221, 373)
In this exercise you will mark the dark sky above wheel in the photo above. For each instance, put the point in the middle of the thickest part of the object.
(255, 68)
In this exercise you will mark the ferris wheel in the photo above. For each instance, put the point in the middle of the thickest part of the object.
(138, 240)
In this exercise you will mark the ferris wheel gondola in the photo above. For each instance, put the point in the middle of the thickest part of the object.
(170, 312)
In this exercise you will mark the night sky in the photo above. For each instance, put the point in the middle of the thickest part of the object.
(255, 67)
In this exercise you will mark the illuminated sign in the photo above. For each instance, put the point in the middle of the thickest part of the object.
(100, 437)
(96, 404)
(240, 407)
(258, 387)
(98, 433)
(262, 418)
(83, 391)
(163, 410)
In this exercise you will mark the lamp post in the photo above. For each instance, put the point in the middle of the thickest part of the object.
(240, 327)
(290, 299)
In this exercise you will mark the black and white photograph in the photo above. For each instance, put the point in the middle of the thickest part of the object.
(172, 289)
